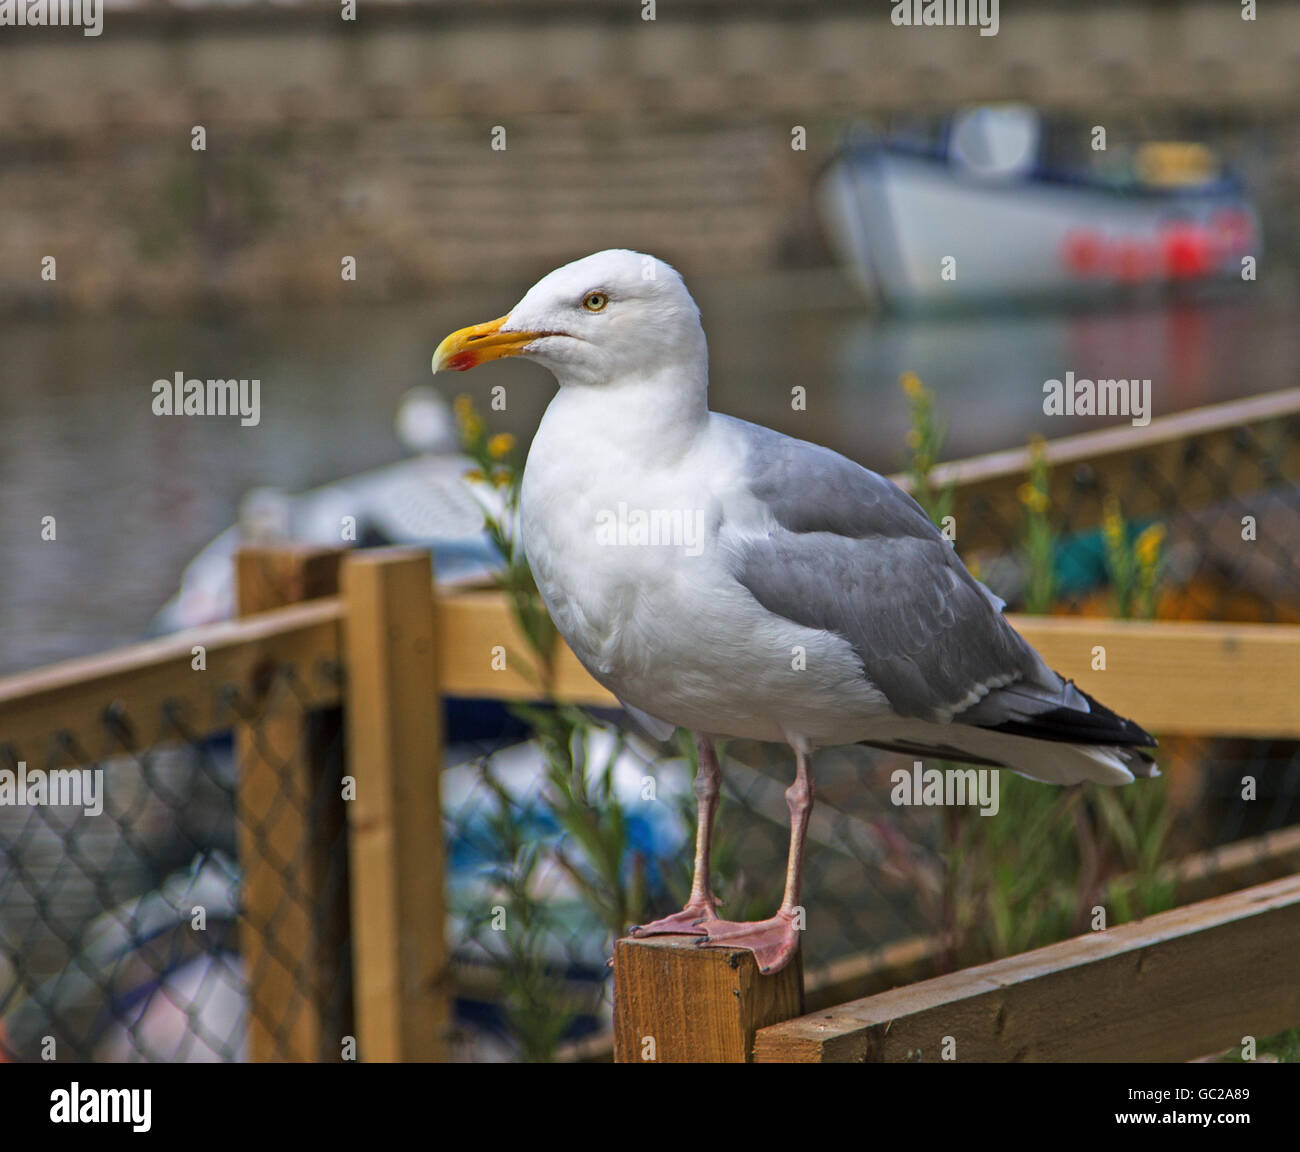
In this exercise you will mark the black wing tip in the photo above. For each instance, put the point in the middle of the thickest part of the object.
(1141, 738)
(1069, 726)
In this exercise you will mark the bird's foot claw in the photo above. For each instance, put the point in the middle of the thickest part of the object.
(689, 921)
(773, 942)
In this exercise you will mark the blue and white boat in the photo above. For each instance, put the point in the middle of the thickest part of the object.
(977, 211)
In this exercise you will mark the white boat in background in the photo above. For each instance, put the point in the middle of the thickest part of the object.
(422, 501)
(979, 215)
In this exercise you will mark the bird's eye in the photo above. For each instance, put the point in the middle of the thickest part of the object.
(594, 301)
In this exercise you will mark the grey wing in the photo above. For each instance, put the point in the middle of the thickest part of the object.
(850, 553)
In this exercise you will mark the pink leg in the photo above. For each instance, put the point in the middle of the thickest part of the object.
(774, 942)
(700, 906)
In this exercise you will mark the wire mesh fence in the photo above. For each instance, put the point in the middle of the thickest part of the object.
(1228, 500)
(192, 900)
(126, 930)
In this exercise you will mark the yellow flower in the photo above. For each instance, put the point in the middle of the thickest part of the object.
(1112, 524)
(912, 385)
(471, 423)
(1033, 497)
(501, 478)
(1147, 549)
(476, 476)
(501, 445)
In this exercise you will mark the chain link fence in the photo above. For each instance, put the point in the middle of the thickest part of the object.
(218, 864)
(126, 927)
(1229, 504)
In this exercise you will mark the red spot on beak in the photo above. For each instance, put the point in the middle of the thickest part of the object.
(462, 361)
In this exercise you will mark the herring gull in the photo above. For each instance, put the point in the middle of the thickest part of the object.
(721, 576)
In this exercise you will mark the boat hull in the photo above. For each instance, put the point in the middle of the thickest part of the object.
(916, 231)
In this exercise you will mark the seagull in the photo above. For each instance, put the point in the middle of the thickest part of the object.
(719, 576)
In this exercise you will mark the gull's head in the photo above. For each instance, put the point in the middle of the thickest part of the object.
(612, 316)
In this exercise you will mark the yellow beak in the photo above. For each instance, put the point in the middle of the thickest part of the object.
(482, 342)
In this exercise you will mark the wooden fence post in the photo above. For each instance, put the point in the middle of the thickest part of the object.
(677, 1003)
(394, 723)
(291, 932)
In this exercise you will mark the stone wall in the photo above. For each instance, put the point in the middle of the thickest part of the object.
(373, 139)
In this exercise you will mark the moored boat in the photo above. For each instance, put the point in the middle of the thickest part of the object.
(976, 212)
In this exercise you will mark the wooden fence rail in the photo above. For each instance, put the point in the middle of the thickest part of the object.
(1179, 678)
(1182, 984)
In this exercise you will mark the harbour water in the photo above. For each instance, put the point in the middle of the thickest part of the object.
(135, 495)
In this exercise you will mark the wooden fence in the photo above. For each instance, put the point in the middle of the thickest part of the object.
(371, 652)
(401, 650)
